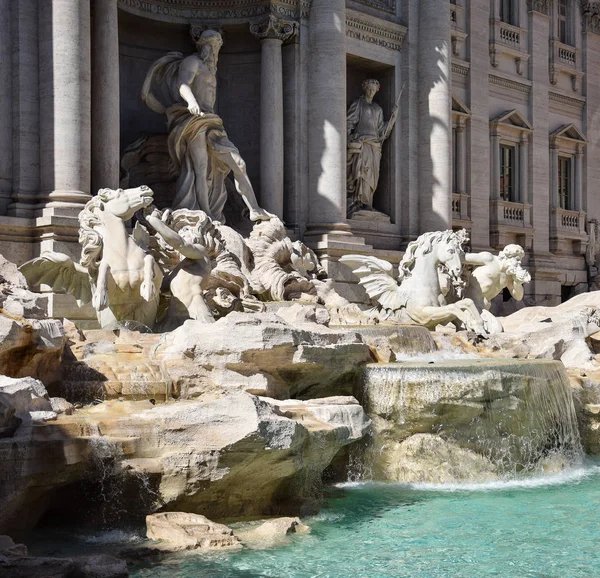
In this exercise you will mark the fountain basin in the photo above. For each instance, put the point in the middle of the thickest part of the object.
(469, 420)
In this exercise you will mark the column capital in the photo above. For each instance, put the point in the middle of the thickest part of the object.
(590, 12)
(273, 27)
(541, 6)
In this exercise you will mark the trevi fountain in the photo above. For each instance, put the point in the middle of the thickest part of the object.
(231, 414)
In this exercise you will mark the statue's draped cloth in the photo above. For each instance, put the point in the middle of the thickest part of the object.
(365, 120)
(161, 94)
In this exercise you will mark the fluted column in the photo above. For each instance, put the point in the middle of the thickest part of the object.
(65, 105)
(272, 32)
(105, 95)
(327, 112)
(6, 113)
(435, 116)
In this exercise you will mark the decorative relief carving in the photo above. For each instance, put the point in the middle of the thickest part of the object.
(378, 32)
(186, 10)
(461, 68)
(387, 5)
(510, 84)
(274, 27)
(541, 6)
(562, 101)
(590, 12)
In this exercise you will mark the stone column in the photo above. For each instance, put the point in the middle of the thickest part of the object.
(579, 179)
(435, 116)
(524, 169)
(479, 125)
(495, 166)
(460, 158)
(327, 113)
(6, 112)
(26, 108)
(272, 32)
(554, 176)
(65, 105)
(105, 95)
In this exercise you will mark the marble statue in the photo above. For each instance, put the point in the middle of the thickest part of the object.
(491, 274)
(418, 291)
(185, 88)
(116, 273)
(367, 132)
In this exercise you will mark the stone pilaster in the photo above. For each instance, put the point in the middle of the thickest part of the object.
(479, 125)
(435, 116)
(105, 95)
(272, 32)
(327, 114)
(6, 112)
(461, 161)
(65, 105)
(590, 12)
(26, 108)
(524, 169)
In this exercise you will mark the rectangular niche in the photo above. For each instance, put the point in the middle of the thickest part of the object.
(357, 70)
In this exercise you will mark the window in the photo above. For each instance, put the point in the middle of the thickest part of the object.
(507, 173)
(563, 21)
(565, 193)
(507, 12)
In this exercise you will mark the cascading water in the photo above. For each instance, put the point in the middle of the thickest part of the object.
(499, 417)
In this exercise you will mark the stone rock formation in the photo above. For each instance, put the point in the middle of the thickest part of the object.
(271, 533)
(183, 531)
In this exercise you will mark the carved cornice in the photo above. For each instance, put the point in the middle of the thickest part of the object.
(541, 6)
(510, 84)
(376, 31)
(460, 67)
(590, 16)
(386, 5)
(215, 10)
(564, 100)
(274, 28)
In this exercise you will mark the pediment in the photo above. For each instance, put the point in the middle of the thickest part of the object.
(513, 118)
(568, 131)
(459, 108)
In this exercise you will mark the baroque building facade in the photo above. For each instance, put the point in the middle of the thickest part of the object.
(498, 129)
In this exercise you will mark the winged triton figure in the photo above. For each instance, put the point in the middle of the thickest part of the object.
(418, 290)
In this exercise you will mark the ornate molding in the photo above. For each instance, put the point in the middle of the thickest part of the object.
(274, 28)
(376, 31)
(460, 67)
(386, 5)
(562, 100)
(590, 16)
(183, 11)
(510, 84)
(541, 6)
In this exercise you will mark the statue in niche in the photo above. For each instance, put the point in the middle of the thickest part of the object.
(367, 132)
(185, 88)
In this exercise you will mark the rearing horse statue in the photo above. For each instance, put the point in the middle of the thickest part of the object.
(418, 290)
(116, 272)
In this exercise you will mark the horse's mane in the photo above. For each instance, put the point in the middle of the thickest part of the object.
(89, 238)
(425, 244)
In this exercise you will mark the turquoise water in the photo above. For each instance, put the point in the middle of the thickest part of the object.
(538, 528)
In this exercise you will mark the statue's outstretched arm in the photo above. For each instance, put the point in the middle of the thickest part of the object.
(478, 259)
(187, 72)
(191, 251)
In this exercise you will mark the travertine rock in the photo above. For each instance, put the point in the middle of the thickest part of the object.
(266, 456)
(430, 458)
(94, 566)
(16, 300)
(24, 395)
(271, 533)
(9, 548)
(262, 355)
(183, 531)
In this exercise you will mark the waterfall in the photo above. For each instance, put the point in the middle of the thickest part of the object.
(517, 415)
